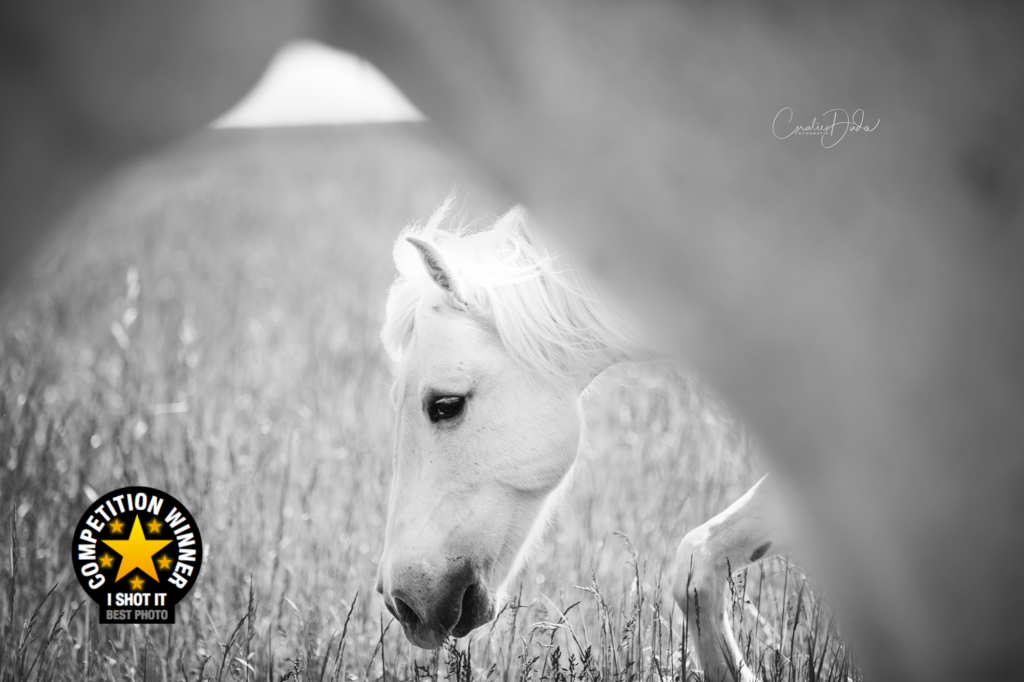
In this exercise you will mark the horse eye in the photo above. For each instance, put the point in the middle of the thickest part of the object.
(445, 407)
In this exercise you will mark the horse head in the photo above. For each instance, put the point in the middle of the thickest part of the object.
(492, 349)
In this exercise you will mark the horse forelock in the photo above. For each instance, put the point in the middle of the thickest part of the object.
(548, 317)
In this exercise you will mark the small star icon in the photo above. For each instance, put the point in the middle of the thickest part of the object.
(136, 583)
(165, 563)
(116, 526)
(154, 526)
(106, 561)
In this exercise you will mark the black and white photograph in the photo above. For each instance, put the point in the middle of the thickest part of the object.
(511, 341)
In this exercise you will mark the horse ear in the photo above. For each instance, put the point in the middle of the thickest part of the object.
(438, 271)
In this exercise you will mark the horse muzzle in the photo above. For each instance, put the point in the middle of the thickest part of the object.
(433, 603)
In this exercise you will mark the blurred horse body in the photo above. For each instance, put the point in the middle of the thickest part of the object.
(859, 306)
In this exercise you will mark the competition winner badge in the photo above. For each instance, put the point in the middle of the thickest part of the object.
(137, 552)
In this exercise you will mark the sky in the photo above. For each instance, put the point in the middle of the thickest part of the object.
(308, 83)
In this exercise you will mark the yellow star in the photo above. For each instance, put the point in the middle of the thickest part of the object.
(164, 562)
(116, 526)
(154, 526)
(106, 561)
(136, 583)
(137, 552)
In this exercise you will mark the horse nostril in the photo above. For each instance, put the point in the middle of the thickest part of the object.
(476, 610)
(405, 613)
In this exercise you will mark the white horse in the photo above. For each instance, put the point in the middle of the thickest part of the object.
(494, 340)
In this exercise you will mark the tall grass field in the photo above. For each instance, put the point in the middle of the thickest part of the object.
(206, 324)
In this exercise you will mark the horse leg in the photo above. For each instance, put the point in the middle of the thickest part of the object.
(740, 535)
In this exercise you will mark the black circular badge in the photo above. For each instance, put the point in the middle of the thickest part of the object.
(137, 552)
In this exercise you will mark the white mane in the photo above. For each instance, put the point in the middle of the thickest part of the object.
(548, 318)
